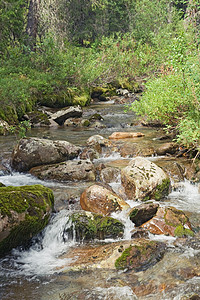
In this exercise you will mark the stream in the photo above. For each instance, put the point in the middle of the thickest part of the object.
(42, 273)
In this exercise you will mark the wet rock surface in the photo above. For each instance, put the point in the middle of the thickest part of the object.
(142, 213)
(102, 199)
(169, 221)
(141, 255)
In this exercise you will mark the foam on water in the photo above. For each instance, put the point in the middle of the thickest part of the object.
(20, 179)
(43, 257)
(186, 197)
(117, 293)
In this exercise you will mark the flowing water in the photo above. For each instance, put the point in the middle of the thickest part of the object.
(43, 272)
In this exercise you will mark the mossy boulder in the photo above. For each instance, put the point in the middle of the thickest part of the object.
(101, 93)
(89, 226)
(24, 212)
(38, 118)
(141, 255)
(144, 180)
(169, 221)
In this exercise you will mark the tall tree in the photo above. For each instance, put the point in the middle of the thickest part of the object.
(32, 23)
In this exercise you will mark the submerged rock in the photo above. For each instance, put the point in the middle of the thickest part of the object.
(125, 135)
(24, 212)
(66, 171)
(32, 152)
(101, 199)
(130, 149)
(169, 221)
(144, 180)
(141, 255)
(89, 226)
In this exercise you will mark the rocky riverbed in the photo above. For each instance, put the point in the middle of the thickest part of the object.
(126, 211)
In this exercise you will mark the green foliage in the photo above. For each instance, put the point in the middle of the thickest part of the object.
(174, 96)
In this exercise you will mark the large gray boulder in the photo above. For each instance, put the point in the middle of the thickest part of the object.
(62, 115)
(32, 152)
(75, 170)
(144, 180)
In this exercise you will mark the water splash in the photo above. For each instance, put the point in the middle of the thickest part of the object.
(43, 257)
(186, 197)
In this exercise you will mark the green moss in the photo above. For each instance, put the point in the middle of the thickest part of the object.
(133, 213)
(32, 202)
(162, 189)
(8, 114)
(102, 92)
(86, 123)
(89, 226)
(180, 231)
(19, 199)
(121, 262)
(38, 117)
(82, 100)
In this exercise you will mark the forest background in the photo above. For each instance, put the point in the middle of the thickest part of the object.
(58, 52)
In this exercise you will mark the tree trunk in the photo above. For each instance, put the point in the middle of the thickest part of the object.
(32, 23)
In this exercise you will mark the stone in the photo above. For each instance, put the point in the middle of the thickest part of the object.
(24, 212)
(32, 152)
(125, 135)
(98, 124)
(85, 226)
(142, 213)
(4, 127)
(76, 170)
(109, 174)
(73, 122)
(167, 148)
(169, 221)
(135, 149)
(97, 142)
(101, 199)
(144, 180)
(62, 115)
(89, 153)
(140, 256)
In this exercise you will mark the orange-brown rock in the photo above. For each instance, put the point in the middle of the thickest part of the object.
(125, 135)
(169, 221)
(101, 199)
